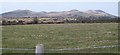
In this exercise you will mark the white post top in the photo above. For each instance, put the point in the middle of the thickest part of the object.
(39, 48)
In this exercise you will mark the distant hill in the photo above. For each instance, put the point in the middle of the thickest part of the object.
(64, 14)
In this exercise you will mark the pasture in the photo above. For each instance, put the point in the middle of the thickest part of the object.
(60, 36)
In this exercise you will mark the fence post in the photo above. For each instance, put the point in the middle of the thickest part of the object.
(39, 49)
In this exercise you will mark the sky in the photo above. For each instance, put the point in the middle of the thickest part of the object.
(108, 6)
(59, 0)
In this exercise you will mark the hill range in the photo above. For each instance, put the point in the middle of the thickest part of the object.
(63, 14)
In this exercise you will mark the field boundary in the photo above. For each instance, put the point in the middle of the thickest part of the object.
(60, 49)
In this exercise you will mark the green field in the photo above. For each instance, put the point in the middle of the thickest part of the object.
(60, 36)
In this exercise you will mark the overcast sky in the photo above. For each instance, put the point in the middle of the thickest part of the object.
(107, 6)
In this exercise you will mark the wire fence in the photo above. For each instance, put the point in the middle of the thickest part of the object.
(60, 49)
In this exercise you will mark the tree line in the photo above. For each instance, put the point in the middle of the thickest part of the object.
(77, 20)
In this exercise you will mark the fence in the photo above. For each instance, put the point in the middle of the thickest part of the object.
(40, 48)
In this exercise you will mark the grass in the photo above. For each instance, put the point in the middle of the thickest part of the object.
(56, 36)
(0, 39)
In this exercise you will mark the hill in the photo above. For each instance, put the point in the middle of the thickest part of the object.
(64, 14)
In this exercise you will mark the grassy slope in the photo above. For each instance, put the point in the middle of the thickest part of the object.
(0, 39)
(55, 36)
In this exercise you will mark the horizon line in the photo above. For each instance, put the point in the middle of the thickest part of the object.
(58, 11)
